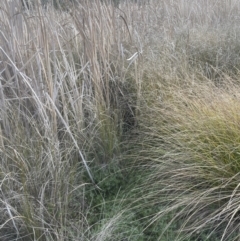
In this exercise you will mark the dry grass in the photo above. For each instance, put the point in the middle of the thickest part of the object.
(57, 100)
(77, 84)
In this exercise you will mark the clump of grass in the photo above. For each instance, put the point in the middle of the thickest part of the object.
(63, 99)
(195, 151)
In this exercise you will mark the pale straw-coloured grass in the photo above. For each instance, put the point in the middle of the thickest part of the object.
(84, 85)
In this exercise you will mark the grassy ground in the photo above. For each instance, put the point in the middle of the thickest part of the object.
(120, 121)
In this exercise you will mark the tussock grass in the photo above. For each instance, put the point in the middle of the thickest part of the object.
(119, 121)
(195, 159)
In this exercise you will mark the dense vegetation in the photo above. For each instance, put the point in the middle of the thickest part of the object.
(119, 120)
